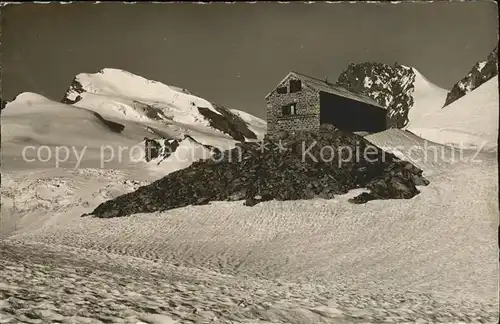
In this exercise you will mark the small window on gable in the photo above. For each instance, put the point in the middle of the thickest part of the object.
(281, 90)
(289, 110)
(295, 86)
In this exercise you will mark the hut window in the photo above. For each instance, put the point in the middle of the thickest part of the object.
(295, 86)
(281, 90)
(289, 110)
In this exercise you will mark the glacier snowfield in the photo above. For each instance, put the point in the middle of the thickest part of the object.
(429, 259)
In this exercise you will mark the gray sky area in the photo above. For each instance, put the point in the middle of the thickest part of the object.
(235, 54)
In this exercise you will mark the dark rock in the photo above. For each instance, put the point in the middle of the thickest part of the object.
(390, 86)
(150, 111)
(479, 74)
(162, 148)
(152, 149)
(227, 122)
(362, 198)
(113, 126)
(202, 201)
(238, 195)
(249, 174)
(3, 103)
(75, 87)
(250, 201)
(328, 128)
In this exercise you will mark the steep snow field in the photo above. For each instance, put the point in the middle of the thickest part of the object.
(471, 121)
(428, 98)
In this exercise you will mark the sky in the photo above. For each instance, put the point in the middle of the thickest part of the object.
(234, 54)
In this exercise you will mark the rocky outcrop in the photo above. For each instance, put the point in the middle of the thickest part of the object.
(228, 123)
(111, 125)
(158, 150)
(297, 166)
(72, 95)
(3, 103)
(390, 86)
(479, 74)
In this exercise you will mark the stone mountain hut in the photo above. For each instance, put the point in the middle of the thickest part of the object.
(301, 102)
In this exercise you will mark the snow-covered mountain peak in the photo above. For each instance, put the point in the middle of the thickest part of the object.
(422, 83)
(117, 93)
(403, 90)
(28, 98)
(121, 83)
(27, 102)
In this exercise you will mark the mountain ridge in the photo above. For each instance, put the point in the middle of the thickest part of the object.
(128, 95)
(480, 73)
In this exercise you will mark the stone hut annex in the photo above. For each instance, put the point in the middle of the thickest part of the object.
(301, 102)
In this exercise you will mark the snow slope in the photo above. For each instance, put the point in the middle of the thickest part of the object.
(85, 286)
(481, 72)
(120, 94)
(303, 262)
(123, 84)
(33, 198)
(430, 157)
(33, 124)
(34, 118)
(427, 98)
(439, 243)
(256, 124)
(117, 83)
(40, 133)
(39, 128)
(188, 151)
(469, 122)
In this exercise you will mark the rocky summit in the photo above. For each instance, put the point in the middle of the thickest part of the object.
(158, 150)
(391, 86)
(303, 165)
